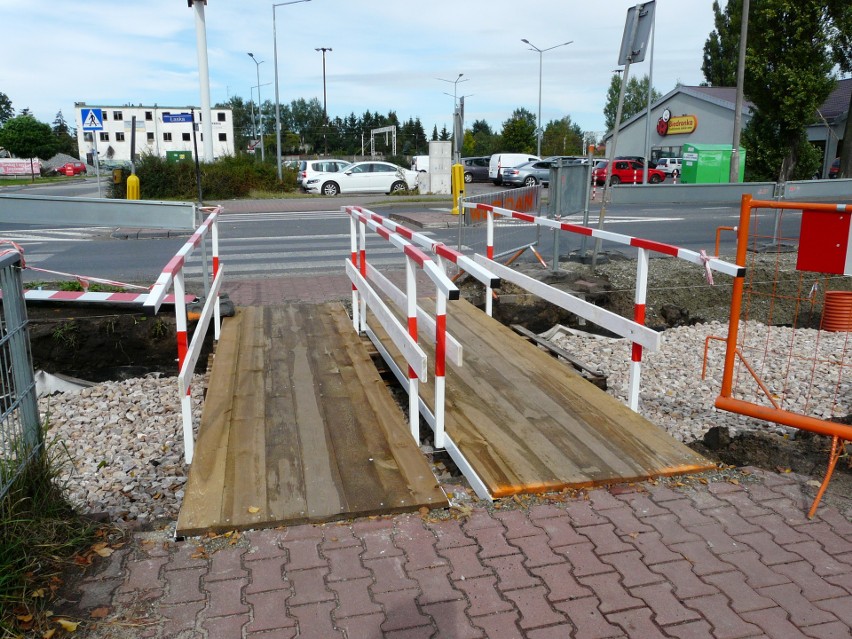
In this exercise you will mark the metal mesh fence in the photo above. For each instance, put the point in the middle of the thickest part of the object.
(20, 433)
(509, 235)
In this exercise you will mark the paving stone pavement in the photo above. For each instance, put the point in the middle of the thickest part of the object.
(652, 560)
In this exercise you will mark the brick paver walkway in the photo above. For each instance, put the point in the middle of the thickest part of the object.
(721, 560)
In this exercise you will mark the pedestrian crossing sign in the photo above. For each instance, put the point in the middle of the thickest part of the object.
(92, 119)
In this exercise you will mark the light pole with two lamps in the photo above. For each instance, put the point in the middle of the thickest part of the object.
(324, 111)
(455, 84)
(540, 130)
(277, 109)
(259, 104)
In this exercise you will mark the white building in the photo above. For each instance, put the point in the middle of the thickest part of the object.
(159, 131)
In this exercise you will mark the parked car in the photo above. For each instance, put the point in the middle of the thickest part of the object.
(626, 172)
(475, 169)
(670, 166)
(637, 158)
(527, 174)
(72, 168)
(834, 169)
(500, 161)
(363, 177)
(309, 168)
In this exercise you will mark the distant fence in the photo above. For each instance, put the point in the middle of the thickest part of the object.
(509, 236)
(20, 430)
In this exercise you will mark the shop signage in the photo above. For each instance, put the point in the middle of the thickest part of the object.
(669, 124)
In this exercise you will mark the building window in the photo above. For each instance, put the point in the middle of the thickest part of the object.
(167, 137)
(116, 115)
(104, 137)
(104, 115)
(223, 137)
(87, 136)
(221, 117)
(149, 115)
(119, 137)
(185, 137)
(150, 136)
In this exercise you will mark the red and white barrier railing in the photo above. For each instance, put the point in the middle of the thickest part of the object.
(188, 354)
(635, 330)
(364, 298)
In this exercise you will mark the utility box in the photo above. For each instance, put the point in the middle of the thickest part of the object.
(440, 165)
(709, 164)
(178, 156)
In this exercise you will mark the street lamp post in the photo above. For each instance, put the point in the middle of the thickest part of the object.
(277, 109)
(540, 61)
(259, 104)
(455, 84)
(324, 111)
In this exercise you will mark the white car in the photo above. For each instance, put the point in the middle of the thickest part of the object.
(363, 177)
(670, 166)
(309, 168)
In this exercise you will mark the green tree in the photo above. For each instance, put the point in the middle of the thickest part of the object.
(6, 110)
(26, 137)
(788, 76)
(65, 142)
(434, 133)
(445, 135)
(518, 133)
(722, 49)
(840, 40)
(562, 137)
(635, 98)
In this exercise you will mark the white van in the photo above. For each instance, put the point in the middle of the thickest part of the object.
(420, 163)
(500, 161)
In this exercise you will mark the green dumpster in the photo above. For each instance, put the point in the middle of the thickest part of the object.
(709, 163)
(178, 156)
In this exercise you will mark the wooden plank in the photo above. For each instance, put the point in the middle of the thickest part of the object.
(245, 471)
(313, 433)
(527, 424)
(285, 478)
(204, 490)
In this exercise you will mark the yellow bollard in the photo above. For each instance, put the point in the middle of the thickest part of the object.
(132, 187)
(457, 181)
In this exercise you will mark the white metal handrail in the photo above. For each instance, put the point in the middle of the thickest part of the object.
(444, 288)
(632, 330)
(188, 354)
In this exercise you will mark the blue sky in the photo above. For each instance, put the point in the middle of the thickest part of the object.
(385, 54)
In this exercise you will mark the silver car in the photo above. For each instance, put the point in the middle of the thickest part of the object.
(527, 174)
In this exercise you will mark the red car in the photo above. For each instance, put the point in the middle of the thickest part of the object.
(71, 168)
(834, 169)
(626, 172)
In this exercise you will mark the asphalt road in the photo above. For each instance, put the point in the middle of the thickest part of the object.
(298, 236)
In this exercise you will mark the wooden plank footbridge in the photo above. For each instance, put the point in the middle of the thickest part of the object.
(299, 426)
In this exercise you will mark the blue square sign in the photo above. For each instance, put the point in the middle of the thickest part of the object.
(93, 119)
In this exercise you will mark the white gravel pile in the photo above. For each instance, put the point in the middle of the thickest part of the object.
(805, 370)
(120, 446)
(124, 445)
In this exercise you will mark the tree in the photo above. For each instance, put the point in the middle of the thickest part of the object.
(562, 137)
(26, 137)
(518, 134)
(635, 98)
(840, 40)
(788, 76)
(445, 135)
(65, 142)
(722, 49)
(6, 110)
(434, 133)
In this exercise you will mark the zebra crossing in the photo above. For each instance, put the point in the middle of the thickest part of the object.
(43, 236)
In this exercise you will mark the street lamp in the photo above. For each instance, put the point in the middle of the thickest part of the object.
(277, 110)
(259, 104)
(324, 112)
(540, 55)
(455, 84)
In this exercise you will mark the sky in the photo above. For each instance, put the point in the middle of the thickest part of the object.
(400, 55)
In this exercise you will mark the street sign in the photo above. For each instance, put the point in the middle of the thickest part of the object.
(177, 117)
(637, 32)
(93, 119)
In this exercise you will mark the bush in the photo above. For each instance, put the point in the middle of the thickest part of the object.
(228, 178)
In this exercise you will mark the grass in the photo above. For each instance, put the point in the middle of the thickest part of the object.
(40, 537)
